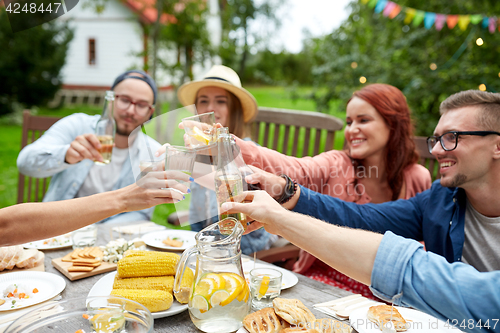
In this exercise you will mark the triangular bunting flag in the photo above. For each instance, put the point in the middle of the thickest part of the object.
(380, 6)
(463, 21)
(429, 20)
(388, 9)
(419, 17)
(440, 19)
(452, 21)
(410, 14)
(395, 12)
(475, 19)
(492, 25)
(372, 3)
(486, 22)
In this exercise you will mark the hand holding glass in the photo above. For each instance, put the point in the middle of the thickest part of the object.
(180, 158)
(200, 129)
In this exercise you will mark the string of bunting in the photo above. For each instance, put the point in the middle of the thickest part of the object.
(416, 17)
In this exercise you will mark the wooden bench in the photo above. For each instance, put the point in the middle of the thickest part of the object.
(30, 189)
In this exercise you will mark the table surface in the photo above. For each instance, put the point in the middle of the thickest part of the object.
(307, 290)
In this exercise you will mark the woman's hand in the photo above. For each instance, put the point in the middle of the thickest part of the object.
(153, 189)
(272, 184)
(258, 206)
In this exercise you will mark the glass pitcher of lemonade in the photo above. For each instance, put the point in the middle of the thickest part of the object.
(219, 299)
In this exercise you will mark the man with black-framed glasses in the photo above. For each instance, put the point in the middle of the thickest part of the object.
(459, 217)
(67, 151)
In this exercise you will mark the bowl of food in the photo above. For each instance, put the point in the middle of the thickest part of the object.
(99, 314)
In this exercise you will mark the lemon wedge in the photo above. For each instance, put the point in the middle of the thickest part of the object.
(200, 136)
(233, 286)
(205, 287)
(199, 302)
(264, 285)
(219, 280)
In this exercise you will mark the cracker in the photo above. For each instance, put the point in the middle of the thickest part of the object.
(75, 253)
(87, 264)
(80, 268)
(85, 261)
(67, 257)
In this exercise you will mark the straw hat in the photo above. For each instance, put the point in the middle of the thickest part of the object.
(222, 77)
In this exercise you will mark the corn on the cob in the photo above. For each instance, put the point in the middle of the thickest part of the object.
(154, 300)
(154, 264)
(165, 283)
(186, 285)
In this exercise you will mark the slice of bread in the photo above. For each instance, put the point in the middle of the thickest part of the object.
(27, 259)
(18, 250)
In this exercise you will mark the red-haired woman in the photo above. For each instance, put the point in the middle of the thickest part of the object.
(378, 165)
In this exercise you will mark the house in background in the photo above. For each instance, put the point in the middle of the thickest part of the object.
(108, 43)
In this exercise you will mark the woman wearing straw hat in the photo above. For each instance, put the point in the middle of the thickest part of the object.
(220, 91)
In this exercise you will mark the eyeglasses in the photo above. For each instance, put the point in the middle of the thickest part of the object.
(449, 140)
(123, 103)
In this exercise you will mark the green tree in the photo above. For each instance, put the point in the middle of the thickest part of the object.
(237, 37)
(31, 62)
(389, 51)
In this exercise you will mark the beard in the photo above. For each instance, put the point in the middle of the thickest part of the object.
(123, 130)
(456, 181)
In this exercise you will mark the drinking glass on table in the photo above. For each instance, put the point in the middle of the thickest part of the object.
(200, 129)
(84, 237)
(265, 286)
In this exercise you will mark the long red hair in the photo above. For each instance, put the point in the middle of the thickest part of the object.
(400, 151)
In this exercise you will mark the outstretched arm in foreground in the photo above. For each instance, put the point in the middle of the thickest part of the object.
(32, 221)
(390, 264)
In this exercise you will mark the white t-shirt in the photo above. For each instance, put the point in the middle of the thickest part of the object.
(102, 178)
(481, 245)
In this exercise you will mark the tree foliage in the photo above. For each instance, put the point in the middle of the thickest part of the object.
(30, 63)
(237, 37)
(389, 51)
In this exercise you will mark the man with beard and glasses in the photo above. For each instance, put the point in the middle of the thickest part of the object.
(459, 216)
(67, 151)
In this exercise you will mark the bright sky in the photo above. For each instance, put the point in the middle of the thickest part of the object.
(320, 17)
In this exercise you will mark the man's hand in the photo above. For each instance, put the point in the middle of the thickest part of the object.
(84, 146)
(258, 206)
(272, 184)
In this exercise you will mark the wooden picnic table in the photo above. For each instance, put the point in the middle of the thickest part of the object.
(307, 290)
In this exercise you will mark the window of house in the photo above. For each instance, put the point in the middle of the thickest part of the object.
(92, 51)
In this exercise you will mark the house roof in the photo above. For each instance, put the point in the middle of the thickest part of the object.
(146, 9)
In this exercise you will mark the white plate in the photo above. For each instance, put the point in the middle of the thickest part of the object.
(53, 243)
(288, 280)
(49, 285)
(104, 286)
(418, 322)
(154, 239)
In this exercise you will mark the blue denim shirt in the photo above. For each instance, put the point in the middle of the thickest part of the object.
(435, 216)
(45, 158)
(456, 292)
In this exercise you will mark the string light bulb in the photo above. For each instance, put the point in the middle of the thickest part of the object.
(479, 41)
(362, 79)
(433, 66)
(482, 87)
(354, 64)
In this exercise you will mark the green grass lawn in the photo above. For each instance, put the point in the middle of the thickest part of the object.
(10, 138)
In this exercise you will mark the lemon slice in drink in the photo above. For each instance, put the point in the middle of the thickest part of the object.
(221, 283)
(264, 285)
(199, 135)
(243, 296)
(218, 297)
(199, 302)
(205, 287)
(233, 286)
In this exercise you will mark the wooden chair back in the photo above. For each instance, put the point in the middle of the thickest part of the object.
(427, 159)
(295, 133)
(31, 189)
